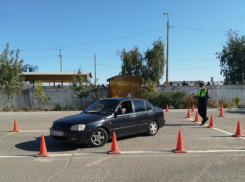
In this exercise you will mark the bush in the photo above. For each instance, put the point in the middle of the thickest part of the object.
(189, 100)
(227, 104)
(146, 90)
(47, 109)
(57, 107)
(173, 99)
(177, 98)
(241, 106)
(163, 99)
(236, 100)
(152, 98)
(212, 103)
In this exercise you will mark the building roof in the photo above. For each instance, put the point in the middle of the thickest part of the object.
(123, 77)
(54, 76)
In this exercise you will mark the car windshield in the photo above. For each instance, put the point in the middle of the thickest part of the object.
(105, 107)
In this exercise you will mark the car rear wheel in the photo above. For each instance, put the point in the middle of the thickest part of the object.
(152, 128)
(99, 137)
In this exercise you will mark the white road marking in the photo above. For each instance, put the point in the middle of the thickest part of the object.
(145, 152)
(35, 130)
(94, 155)
(97, 161)
(220, 130)
(215, 151)
(60, 155)
(7, 135)
(16, 156)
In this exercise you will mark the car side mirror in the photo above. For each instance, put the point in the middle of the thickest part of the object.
(115, 113)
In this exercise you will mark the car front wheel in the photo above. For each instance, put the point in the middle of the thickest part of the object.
(99, 137)
(152, 128)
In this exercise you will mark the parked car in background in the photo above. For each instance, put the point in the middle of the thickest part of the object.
(124, 116)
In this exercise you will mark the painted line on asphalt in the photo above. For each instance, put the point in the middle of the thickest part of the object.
(214, 151)
(146, 152)
(16, 156)
(219, 130)
(93, 155)
(100, 160)
(6, 135)
(60, 155)
(35, 130)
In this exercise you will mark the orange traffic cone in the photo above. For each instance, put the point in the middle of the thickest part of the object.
(193, 109)
(211, 124)
(221, 111)
(188, 114)
(238, 131)
(16, 128)
(114, 148)
(43, 149)
(196, 118)
(167, 108)
(180, 146)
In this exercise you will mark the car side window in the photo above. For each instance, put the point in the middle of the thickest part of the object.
(148, 106)
(125, 107)
(139, 105)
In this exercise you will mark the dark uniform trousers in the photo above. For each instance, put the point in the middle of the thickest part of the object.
(202, 110)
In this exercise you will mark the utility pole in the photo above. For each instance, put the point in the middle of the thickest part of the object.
(95, 70)
(167, 51)
(167, 46)
(60, 61)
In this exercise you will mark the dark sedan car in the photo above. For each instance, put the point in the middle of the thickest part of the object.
(125, 116)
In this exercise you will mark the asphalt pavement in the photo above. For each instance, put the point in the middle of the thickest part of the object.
(212, 153)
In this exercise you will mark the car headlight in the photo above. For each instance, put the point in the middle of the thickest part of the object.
(78, 127)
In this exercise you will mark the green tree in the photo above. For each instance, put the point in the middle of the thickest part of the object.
(81, 90)
(232, 58)
(131, 62)
(11, 77)
(148, 67)
(40, 94)
(154, 59)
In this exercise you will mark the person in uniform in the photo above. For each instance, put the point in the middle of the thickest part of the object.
(203, 96)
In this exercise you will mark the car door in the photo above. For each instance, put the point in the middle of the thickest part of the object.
(124, 123)
(144, 114)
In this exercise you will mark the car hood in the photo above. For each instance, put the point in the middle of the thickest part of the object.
(83, 118)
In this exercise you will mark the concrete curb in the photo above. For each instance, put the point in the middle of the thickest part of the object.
(40, 112)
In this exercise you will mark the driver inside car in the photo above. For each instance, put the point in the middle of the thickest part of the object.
(121, 109)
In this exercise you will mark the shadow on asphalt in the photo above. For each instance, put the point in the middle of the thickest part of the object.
(57, 146)
(224, 136)
(180, 124)
(236, 111)
(52, 145)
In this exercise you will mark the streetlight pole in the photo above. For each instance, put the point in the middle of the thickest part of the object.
(167, 46)
(60, 61)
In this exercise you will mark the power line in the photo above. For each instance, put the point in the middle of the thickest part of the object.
(200, 29)
(186, 64)
(109, 66)
(192, 53)
(90, 58)
(95, 42)
(197, 60)
(37, 57)
(195, 68)
(106, 40)
(69, 69)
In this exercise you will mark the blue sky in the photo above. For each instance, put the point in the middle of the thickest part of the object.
(82, 28)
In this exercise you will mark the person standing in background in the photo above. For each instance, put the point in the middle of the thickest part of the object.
(203, 96)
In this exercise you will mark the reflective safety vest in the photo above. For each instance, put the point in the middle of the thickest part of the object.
(202, 93)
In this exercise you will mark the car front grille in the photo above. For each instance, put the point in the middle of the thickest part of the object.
(61, 127)
(60, 138)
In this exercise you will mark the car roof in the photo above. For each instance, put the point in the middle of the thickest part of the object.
(121, 98)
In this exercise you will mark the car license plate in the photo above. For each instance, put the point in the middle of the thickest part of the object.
(58, 133)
